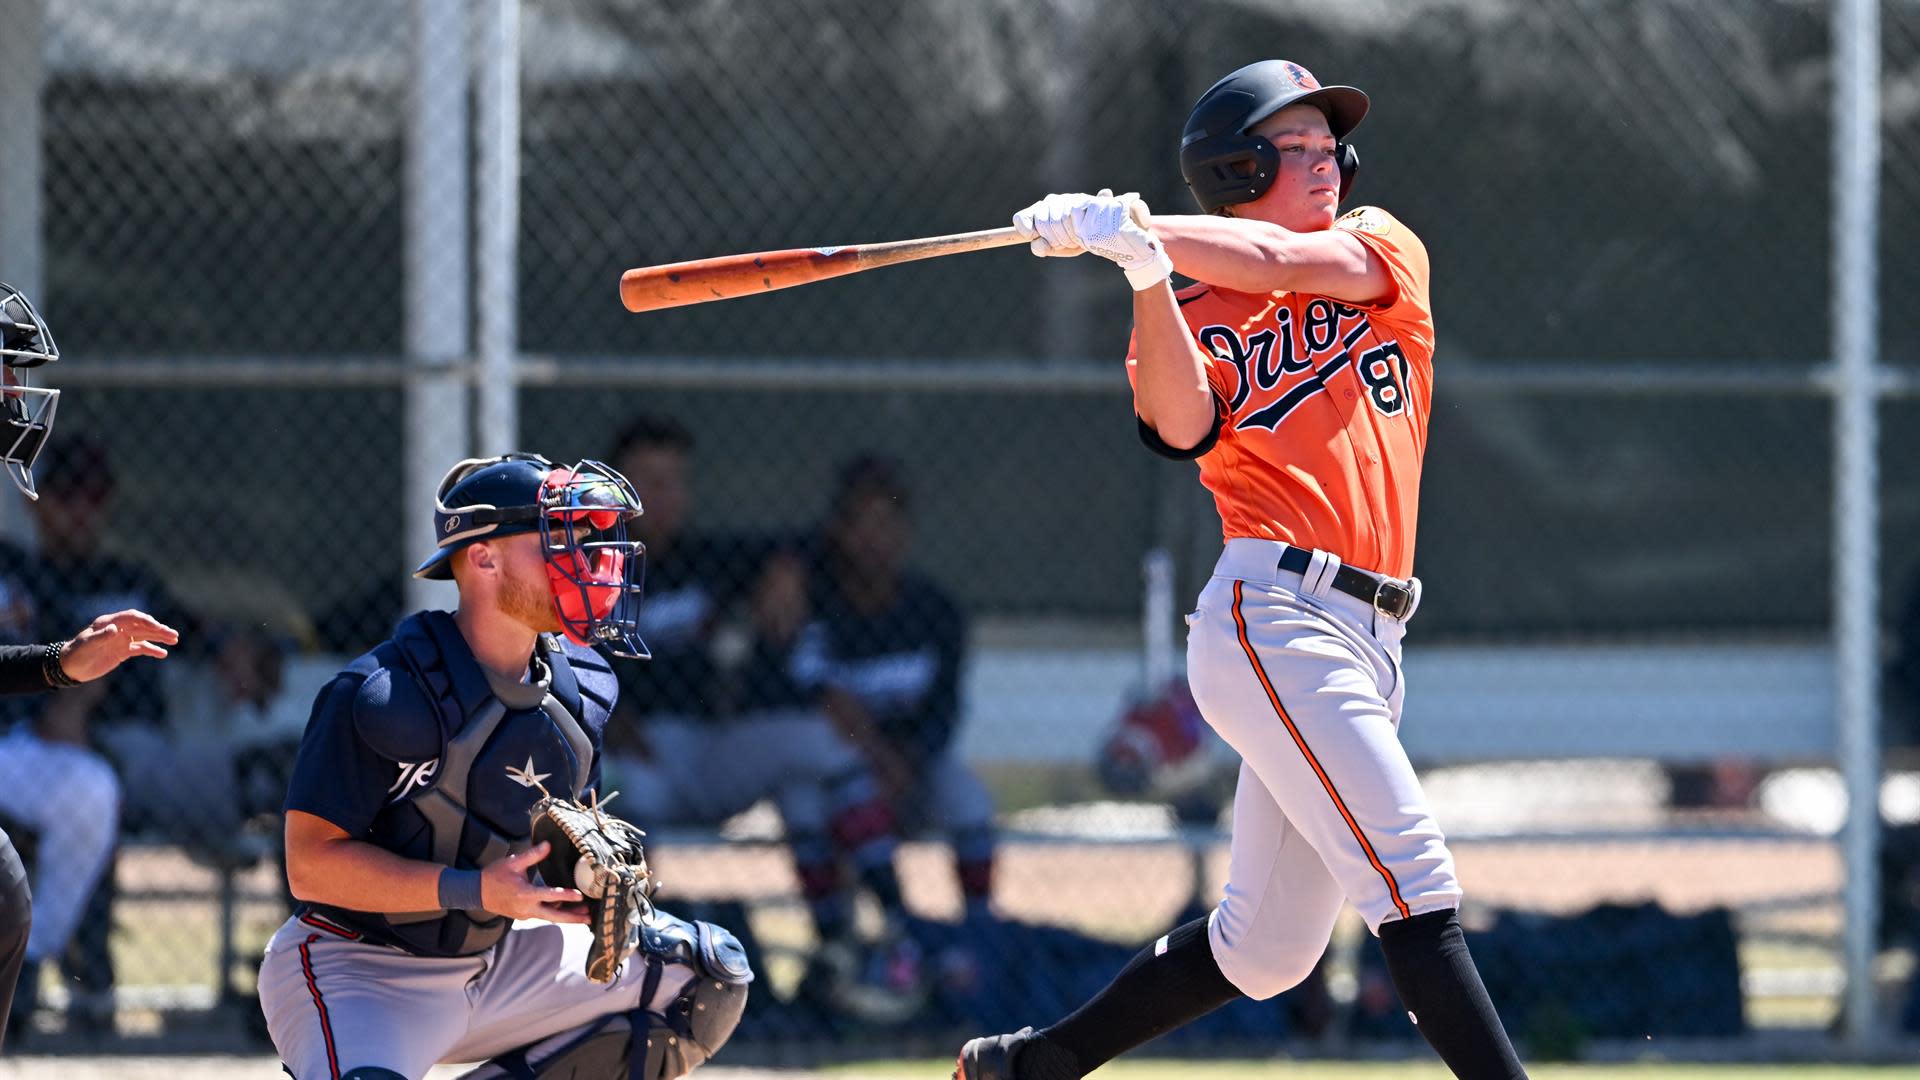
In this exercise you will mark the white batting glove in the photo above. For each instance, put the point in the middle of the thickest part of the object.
(1105, 225)
(1046, 225)
(1066, 225)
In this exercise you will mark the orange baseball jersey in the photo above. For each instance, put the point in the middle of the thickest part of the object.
(1324, 407)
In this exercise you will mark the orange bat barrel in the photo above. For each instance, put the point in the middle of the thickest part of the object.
(700, 280)
(649, 288)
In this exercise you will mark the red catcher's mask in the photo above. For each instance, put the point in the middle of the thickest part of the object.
(594, 570)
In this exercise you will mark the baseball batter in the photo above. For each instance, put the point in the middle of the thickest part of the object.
(419, 937)
(1299, 375)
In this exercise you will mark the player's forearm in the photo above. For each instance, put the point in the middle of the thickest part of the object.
(1242, 255)
(1170, 389)
(23, 669)
(358, 876)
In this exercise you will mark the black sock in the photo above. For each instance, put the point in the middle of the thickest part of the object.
(1427, 957)
(1157, 991)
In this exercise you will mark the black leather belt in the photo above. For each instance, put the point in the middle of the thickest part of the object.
(1388, 597)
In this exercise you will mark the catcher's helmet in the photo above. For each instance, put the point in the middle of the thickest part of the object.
(581, 513)
(1216, 149)
(26, 412)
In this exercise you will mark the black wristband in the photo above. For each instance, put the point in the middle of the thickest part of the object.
(50, 668)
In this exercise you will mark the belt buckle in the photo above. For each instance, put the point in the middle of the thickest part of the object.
(1392, 599)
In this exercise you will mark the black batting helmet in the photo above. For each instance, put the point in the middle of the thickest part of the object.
(26, 412)
(1224, 164)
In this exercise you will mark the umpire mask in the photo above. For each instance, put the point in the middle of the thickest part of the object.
(26, 412)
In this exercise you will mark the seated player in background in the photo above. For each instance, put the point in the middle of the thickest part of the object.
(717, 722)
(107, 742)
(885, 652)
(38, 785)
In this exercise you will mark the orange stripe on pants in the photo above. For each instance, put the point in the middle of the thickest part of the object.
(1240, 624)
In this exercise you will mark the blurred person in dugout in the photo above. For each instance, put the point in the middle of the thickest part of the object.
(884, 653)
(103, 745)
(717, 721)
(41, 773)
(172, 741)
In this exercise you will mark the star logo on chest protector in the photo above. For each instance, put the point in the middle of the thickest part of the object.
(526, 777)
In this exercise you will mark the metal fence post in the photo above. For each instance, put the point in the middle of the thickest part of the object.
(498, 187)
(438, 271)
(1856, 555)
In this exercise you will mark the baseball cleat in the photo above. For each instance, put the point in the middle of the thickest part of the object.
(991, 1057)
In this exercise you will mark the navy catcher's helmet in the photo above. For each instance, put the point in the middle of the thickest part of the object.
(1224, 164)
(26, 412)
(581, 514)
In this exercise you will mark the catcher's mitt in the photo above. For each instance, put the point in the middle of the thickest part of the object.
(601, 856)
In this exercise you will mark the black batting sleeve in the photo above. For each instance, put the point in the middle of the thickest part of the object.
(20, 669)
(1153, 442)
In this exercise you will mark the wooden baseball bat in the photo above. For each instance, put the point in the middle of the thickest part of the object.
(649, 288)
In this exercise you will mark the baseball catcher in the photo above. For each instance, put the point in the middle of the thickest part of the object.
(462, 893)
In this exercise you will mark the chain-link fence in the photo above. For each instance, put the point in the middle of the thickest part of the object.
(261, 230)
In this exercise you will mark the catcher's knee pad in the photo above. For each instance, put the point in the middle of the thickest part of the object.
(683, 1033)
(661, 1042)
(371, 1072)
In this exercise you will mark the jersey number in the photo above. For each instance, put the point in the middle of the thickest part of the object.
(1384, 370)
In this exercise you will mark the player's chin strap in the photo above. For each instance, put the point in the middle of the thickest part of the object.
(660, 1041)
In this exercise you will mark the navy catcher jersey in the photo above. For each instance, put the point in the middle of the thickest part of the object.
(375, 742)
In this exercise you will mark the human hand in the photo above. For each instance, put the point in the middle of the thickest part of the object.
(506, 890)
(1047, 224)
(1115, 227)
(111, 640)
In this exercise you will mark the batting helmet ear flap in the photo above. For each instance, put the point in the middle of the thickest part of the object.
(1348, 159)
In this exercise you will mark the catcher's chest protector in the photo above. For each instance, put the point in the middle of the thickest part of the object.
(502, 742)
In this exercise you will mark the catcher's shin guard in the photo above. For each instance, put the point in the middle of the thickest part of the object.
(674, 1036)
(600, 1048)
(688, 1030)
